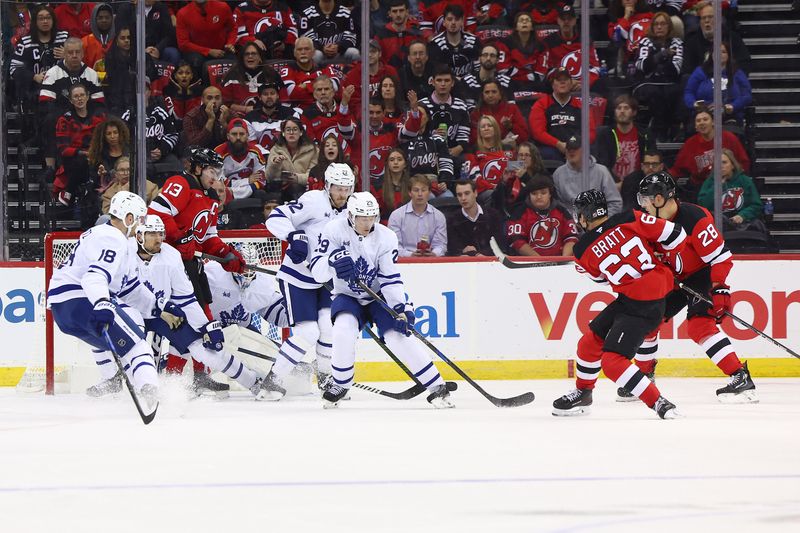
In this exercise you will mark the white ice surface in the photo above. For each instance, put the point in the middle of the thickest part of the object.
(68, 463)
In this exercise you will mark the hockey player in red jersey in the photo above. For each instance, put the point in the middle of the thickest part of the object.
(188, 206)
(621, 251)
(703, 265)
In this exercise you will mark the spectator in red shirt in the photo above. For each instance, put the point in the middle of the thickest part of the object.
(541, 226)
(183, 92)
(492, 102)
(524, 50)
(487, 166)
(240, 84)
(270, 24)
(205, 30)
(299, 79)
(331, 151)
(377, 71)
(75, 18)
(398, 34)
(696, 156)
(393, 190)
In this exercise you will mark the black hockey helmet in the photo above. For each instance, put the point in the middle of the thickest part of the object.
(204, 157)
(658, 183)
(591, 204)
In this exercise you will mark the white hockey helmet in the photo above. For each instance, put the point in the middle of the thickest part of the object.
(339, 174)
(151, 224)
(126, 203)
(250, 256)
(362, 204)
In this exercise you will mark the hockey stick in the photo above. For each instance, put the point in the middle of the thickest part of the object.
(407, 394)
(451, 386)
(508, 263)
(690, 291)
(516, 401)
(145, 418)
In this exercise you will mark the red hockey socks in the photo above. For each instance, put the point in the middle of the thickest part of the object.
(175, 364)
(587, 362)
(626, 375)
(704, 331)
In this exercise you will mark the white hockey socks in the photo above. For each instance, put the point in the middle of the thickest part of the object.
(325, 341)
(105, 363)
(411, 351)
(345, 333)
(294, 349)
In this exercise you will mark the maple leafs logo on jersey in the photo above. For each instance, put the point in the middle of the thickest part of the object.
(159, 294)
(234, 316)
(363, 273)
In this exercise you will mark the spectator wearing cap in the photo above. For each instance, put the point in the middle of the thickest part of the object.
(159, 30)
(541, 225)
(377, 71)
(571, 179)
(298, 79)
(620, 147)
(75, 18)
(241, 82)
(290, 160)
(563, 50)
(398, 34)
(330, 25)
(421, 228)
(470, 228)
(99, 40)
(205, 29)
(453, 46)
(206, 124)
(266, 118)
(244, 161)
(556, 117)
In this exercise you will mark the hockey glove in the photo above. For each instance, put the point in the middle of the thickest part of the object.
(721, 298)
(186, 245)
(170, 313)
(213, 338)
(405, 319)
(298, 246)
(343, 264)
(102, 316)
(233, 261)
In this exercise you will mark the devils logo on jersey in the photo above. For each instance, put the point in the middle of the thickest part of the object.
(732, 199)
(200, 224)
(544, 233)
(572, 62)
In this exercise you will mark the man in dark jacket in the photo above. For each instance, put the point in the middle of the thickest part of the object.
(652, 162)
(469, 229)
(620, 147)
(159, 32)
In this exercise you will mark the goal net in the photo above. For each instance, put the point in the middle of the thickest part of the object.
(68, 365)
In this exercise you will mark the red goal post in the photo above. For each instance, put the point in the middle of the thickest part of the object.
(59, 245)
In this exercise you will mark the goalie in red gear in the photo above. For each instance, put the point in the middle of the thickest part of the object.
(188, 206)
(620, 250)
(703, 265)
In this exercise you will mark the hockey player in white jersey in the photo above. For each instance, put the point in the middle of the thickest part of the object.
(81, 292)
(357, 247)
(186, 326)
(307, 301)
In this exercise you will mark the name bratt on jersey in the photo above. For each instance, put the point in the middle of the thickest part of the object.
(607, 242)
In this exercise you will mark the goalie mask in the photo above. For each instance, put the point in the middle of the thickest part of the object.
(154, 226)
(363, 212)
(250, 256)
(126, 203)
(341, 175)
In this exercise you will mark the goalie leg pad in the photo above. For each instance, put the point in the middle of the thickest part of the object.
(223, 362)
(251, 347)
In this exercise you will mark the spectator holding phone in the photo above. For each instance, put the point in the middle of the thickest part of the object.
(421, 228)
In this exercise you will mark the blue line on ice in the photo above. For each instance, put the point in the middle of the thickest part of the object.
(387, 482)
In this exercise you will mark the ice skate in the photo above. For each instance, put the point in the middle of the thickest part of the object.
(440, 398)
(104, 388)
(625, 396)
(270, 389)
(149, 397)
(202, 382)
(666, 409)
(333, 394)
(574, 403)
(740, 389)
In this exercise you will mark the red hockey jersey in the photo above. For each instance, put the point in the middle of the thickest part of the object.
(251, 20)
(545, 231)
(297, 89)
(487, 168)
(705, 246)
(622, 252)
(188, 211)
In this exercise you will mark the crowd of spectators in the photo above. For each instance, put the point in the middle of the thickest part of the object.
(473, 107)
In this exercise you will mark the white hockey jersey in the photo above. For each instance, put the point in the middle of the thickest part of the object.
(375, 257)
(232, 305)
(100, 266)
(310, 213)
(164, 275)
